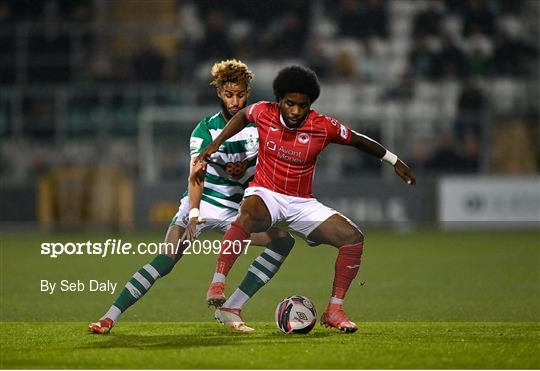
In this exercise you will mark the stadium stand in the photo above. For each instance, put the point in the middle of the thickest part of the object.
(75, 76)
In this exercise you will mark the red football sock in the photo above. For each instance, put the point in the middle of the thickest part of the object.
(229, 250)
(346, 268)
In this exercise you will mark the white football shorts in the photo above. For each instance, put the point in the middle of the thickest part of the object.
(215, 217)
(301, 215)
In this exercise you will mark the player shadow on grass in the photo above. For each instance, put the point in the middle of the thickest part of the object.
(217, 338)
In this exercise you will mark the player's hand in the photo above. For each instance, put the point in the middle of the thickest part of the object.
(198, 172)
(191, 229)
(404, 172)
(204, 156)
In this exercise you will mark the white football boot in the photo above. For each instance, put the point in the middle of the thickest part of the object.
(231, 318)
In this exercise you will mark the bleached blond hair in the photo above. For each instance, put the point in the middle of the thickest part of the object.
(230, 70)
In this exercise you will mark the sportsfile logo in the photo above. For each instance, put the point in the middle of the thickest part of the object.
(119, 247)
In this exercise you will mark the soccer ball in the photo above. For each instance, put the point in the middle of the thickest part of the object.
(296, 314)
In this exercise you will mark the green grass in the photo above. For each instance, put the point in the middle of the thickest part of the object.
(207, 346)
(424, 299)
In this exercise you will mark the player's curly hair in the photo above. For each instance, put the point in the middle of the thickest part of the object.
(297, 79)
(231, 70)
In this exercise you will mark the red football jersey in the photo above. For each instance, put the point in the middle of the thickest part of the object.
(287, 156)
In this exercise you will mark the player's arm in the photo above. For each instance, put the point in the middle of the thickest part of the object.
(200, 138)
(195, 191)
(234, 126)
(195, 183)
(366, 144)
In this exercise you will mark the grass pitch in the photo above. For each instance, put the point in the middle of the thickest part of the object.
(424, 299)
(204, 345)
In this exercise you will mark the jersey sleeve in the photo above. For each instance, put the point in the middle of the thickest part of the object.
(200, 139)
(253, 111)
(337, 132)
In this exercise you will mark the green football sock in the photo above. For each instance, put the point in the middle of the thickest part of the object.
(143, 280)
(263, 268)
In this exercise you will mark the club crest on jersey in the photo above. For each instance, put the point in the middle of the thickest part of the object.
(303, 138)
(252, 143)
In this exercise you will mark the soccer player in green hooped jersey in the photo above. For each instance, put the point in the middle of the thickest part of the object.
(212, 200)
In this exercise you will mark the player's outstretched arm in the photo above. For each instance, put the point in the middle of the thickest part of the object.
(234, 126)
(366, 144)
(195, 191)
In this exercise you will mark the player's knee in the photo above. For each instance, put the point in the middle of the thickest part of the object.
(351, 236)
(283, 245)
(163, 264)
(275, 233)
(354, 246)
(245, 220)
(173, 256)
(289, 240)
(173, 250)
(167, 270)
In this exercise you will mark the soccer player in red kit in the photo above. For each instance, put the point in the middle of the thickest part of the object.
(291, 136)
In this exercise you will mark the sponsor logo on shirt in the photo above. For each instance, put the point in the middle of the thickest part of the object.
(236, 169)
(290, 155)
(333, 121)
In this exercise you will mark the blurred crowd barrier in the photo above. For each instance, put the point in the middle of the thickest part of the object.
(71, 197)
(82, 199)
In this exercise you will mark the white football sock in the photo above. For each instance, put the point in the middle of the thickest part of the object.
(237, 299)
(113, 314)
(334, 300)
(218, 277)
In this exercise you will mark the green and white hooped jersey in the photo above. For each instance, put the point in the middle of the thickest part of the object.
(232, 167)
